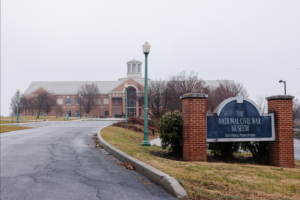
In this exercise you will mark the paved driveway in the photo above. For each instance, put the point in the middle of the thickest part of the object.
(297, 149)
(58, 161)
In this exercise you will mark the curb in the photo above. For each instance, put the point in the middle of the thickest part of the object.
(164, 180)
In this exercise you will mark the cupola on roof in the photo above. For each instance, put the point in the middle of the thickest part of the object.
(134, 61)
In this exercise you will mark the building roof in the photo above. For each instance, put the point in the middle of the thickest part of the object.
(70, 87)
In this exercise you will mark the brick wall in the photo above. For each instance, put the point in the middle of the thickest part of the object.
(194, 127)
(282, 149)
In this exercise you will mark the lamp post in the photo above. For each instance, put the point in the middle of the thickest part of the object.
(281, 81)
(126, 86)
(18, 91)
(146, 50)
(80, 104)
(68, 109)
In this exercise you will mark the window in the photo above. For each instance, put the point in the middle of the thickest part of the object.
(131, 111)
(60, 101)
(41, 113)
(68, 101)
(106, 113)
(128, 67)
(106, 101)
(77, 101)
(133, 68)
(116, 112)
(139, 68)
(131, 103)
(116, 102)
(77, 113)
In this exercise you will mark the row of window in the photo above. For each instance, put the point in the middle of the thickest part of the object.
(77, 101)
(130, 112)
(133, 68)
(106, 113)
(131, 102)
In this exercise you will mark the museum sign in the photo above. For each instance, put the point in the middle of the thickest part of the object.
(239, 119)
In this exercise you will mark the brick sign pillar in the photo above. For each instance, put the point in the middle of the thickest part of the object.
(282, 149)
(194, 127)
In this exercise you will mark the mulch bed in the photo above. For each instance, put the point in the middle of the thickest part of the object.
(210, 158)
(135, 128)
(129, 127)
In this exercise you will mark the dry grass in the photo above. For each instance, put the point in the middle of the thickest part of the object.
(213, 180)
(7, 128)
(30, 119)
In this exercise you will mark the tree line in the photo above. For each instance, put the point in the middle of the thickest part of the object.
(47, 102)
(163, 96)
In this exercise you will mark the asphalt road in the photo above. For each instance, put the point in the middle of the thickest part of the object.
(297, 149)
(58, 161)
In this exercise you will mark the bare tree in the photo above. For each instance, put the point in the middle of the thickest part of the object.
(58, 110)
(14, 103)
(225, 90)
(262, 103)
(41, 99)
(159, 97)
(90, 94)
(296, 109)
(184, 83)
(211, 96)
(49, 103)
(31, 105)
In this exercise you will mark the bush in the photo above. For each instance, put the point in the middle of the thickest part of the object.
(170, 132)
(259, 150)
(224, 149)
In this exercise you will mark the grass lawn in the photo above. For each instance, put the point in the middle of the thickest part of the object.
(213, 180)
(30, 119)
(7, 128)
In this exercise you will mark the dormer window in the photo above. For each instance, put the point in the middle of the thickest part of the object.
(139, 68)
(128, 67)
(133, 67)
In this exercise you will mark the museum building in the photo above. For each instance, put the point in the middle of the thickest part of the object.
(112, 93)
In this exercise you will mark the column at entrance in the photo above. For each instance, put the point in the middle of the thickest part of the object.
(137, 105)
(281, 150)
(123, 105)
(194, 127)
(110, 107)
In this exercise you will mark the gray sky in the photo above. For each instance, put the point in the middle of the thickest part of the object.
(256, 43)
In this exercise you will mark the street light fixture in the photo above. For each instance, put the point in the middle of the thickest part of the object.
(146, 50)
(18, 91)
(68, 109)
(281, 81)
(126, 86)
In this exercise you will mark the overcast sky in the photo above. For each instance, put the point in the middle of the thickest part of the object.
(256, 43)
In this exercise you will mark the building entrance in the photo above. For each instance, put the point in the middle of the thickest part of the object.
(131, 107)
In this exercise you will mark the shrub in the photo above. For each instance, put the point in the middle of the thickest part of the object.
(259, 150)
(224, 149)
(170, 131)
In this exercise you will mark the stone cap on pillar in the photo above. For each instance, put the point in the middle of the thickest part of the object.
(194, 95)
(280, 97)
